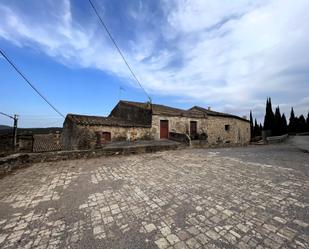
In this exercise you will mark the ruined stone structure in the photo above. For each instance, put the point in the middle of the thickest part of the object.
(135, 120)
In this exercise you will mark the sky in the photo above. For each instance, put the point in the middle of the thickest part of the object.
(229, 55)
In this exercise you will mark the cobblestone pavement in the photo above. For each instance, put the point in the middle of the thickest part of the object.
(173, 199)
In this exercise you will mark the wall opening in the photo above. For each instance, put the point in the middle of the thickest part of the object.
(103, 138)
(163, 129)
(193, 128)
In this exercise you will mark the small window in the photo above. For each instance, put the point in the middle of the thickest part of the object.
(227, 127)
(103, 138)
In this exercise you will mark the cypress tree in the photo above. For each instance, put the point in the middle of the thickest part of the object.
(284, 124)
(307, 122)
(292, 123)
(251, 126)
(267, 125)
(269, 116)
(301, 124)
(266, 121)
(261, 128)
(296, 124)
(257, 130)
(272, 117)
(277, 127)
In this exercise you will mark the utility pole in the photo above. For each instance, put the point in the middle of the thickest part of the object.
(15, 118)
(15, 131)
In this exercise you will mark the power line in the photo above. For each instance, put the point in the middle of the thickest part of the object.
(29, 83)
(9, 116)
(118, 49)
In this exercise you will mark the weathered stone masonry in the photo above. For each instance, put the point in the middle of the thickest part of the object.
(134, 120)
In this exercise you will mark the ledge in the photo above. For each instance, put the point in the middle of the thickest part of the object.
(20, 160)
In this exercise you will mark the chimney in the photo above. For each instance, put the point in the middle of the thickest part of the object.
(244, 117)
(209, 108)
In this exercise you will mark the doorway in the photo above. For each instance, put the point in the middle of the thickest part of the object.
(163, 129)
(193, 128)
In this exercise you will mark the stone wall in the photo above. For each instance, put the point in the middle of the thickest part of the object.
(177, 124)
(238, 132)
(138, 115)
(123, 133)
(213, 126)
(180, 137)
(21, 160)
(76, 137)
(69, 135)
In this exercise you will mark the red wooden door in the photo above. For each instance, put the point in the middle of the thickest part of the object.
(163, 129)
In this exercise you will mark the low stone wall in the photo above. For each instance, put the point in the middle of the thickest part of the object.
(276, 139)
(179, 137)
(20, 160)
(199, 144)
(204, 144)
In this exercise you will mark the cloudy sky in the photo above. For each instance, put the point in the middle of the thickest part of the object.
(229, 55)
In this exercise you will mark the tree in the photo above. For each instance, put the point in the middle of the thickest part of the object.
(269, 116)
(292, 124)
(277, 126)
(251, 126)
(301, 124)
(284, 124)
(307, 122)
(257, 129)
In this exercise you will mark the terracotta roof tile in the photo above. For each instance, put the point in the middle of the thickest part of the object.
(46, 142)
(213, 113)
(164, 110)
(98, 120)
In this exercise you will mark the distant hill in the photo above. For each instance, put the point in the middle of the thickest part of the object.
(28, 131)
(5, 127)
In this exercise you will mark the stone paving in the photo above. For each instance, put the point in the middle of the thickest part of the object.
(173, 199)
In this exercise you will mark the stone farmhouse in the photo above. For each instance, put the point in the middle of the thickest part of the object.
(139, 121)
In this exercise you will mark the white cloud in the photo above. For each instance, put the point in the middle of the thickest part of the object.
(230, 54)
(60, 38)
(191, 16)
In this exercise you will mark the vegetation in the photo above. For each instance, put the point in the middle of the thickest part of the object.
(7, 130)
(298, 124)
(256, 129)
(276, 123)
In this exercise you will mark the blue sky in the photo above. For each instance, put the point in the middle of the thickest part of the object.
(229, 55)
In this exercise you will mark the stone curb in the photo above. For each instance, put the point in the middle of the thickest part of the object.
(21, 160)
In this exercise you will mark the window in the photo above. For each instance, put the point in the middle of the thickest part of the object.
(227, 127)
(103, 138)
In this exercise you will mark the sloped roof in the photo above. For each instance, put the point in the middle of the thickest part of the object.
(194, 112)
(45, 142)
(163, 109)
(99, 120)
(214, 113)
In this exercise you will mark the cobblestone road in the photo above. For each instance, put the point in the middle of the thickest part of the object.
(174, 199)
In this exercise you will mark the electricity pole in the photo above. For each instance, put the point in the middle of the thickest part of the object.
(15, 131)
(15, 118)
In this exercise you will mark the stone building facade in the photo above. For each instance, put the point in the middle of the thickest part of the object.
(136, 121)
